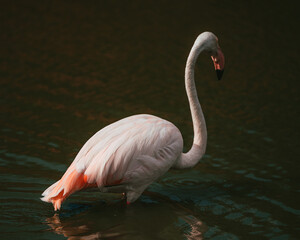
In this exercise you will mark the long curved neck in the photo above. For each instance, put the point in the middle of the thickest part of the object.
(192, 157)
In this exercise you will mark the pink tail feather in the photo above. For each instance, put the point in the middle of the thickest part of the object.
(71, 182)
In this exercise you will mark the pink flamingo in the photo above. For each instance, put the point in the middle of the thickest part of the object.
(128, 155)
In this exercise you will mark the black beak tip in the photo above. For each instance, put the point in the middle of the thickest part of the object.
(219, 73)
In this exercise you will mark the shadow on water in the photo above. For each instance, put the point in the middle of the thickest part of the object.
(116, 220)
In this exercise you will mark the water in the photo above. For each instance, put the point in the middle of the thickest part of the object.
(70, 68)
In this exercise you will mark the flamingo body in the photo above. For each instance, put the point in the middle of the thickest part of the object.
(128, 155)
(125, 156)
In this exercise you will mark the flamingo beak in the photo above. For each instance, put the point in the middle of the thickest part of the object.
(219, 62)
(219, 74)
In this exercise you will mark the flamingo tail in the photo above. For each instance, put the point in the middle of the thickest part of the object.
(72, 181)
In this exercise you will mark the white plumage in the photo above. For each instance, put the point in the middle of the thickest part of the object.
(120, 153)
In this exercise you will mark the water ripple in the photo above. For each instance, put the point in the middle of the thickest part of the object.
(24, 160)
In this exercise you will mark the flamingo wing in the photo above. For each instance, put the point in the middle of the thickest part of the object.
(132, 152)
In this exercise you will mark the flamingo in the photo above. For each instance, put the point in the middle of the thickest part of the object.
(128, 155)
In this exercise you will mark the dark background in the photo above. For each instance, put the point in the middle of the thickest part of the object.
(69, 68)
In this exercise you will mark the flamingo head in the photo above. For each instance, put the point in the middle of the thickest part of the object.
(211, 45)
(219, 61)
(217, 56)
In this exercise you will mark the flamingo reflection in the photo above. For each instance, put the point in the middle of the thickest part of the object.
(165, 221)
(80, 232)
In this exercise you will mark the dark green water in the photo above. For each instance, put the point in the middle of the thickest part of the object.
(69, 68)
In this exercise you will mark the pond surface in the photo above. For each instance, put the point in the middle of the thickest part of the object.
(69, 68)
